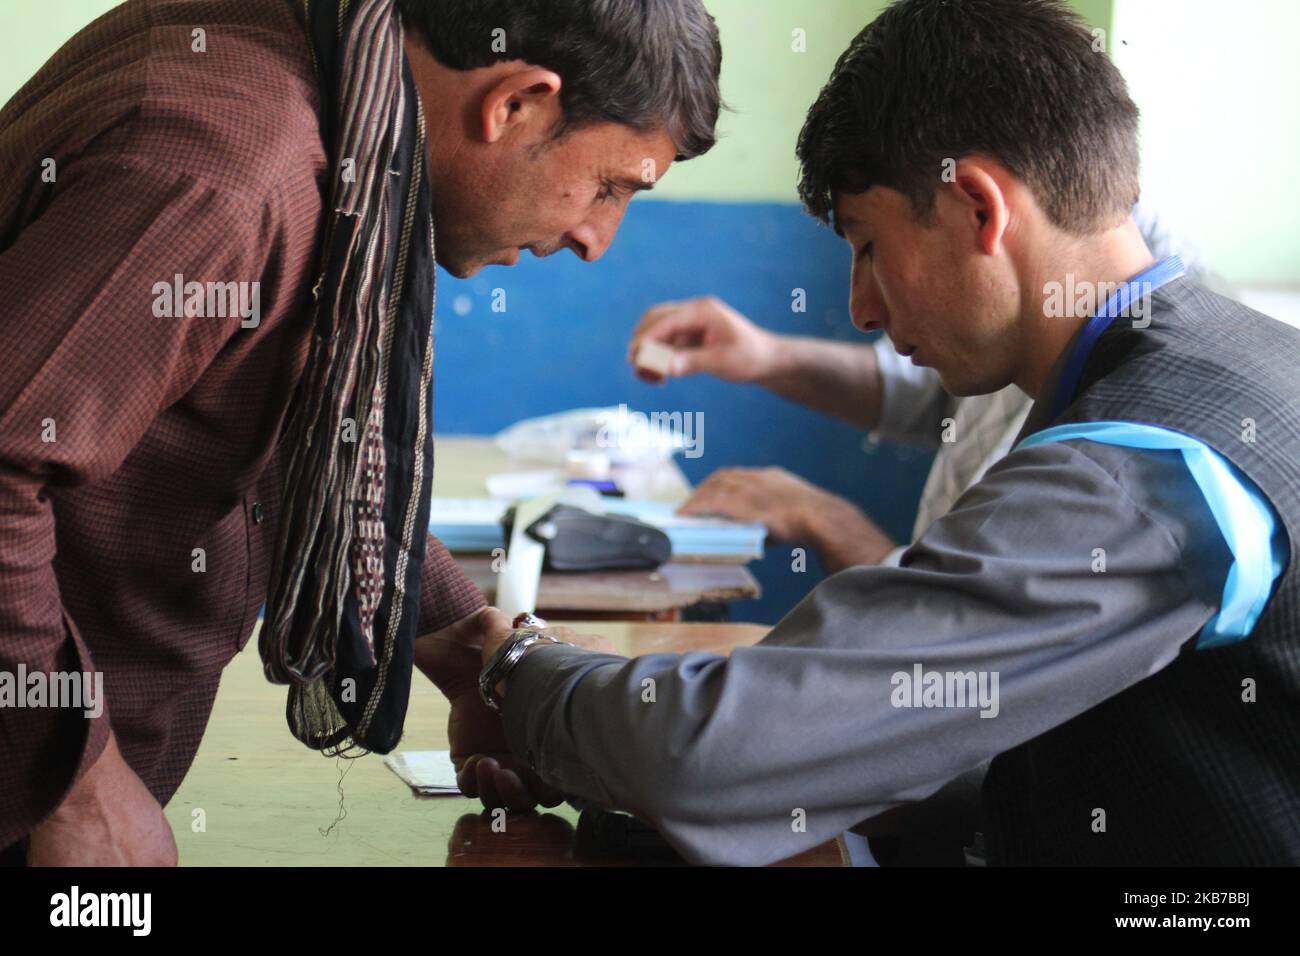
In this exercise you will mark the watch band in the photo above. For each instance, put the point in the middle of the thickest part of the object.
(508, 655)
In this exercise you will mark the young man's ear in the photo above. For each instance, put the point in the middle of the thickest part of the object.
(980, 189)
(528, 97)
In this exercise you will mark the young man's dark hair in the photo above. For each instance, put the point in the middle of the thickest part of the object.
(1022, 81)
(647, 64)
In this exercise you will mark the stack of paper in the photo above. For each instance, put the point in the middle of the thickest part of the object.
(427, 772)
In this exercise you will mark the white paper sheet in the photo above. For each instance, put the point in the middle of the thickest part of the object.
(427, 772)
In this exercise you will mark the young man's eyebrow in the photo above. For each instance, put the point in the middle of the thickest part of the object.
(839, 223)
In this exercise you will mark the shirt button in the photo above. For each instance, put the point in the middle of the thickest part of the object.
(258, 514)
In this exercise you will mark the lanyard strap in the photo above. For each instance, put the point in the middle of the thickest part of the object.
(1140, 286)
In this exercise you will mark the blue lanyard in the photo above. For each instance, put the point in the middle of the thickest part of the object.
(1158, 275)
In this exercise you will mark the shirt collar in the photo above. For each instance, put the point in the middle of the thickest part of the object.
(1040, 415)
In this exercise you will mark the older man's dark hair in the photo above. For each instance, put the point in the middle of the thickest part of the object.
(647, 64)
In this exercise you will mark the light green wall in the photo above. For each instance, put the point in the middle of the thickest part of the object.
(767, 83)
(770, 86)
(1215, 82)
(1217, 86)
(1097, 12)
(33, 30)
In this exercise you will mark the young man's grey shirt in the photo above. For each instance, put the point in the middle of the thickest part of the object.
(756, 757)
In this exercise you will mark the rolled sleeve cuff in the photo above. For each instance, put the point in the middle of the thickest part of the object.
(447, 595)
(535, 716)
(33, 785)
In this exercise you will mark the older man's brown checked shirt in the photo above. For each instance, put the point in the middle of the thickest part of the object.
(166, 161)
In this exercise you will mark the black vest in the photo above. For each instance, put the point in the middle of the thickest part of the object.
(1187, 772)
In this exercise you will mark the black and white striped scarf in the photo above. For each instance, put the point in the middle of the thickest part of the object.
(344, 597)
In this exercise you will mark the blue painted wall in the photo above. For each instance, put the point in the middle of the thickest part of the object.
(562, 343)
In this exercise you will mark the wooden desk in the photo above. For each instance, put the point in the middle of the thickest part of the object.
(268, 801)
(462, 465)
(657, 595)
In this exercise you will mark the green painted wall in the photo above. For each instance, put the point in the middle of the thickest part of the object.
(771, 86)
(1217, 85)
(1215, 82)
(33, 30)
(768, 84)
(1097, 12)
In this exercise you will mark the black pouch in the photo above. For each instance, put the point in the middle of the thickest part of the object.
(577, 540)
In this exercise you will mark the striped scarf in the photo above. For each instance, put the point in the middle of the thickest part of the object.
(344, 597)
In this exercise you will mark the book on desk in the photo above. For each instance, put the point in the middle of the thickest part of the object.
(474, 525)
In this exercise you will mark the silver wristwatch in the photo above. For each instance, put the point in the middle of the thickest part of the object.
(510, 653)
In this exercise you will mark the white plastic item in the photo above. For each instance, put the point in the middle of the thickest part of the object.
(625, 436)
(587, 463)
(655, 358)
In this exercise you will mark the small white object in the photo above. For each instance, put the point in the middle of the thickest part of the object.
(588, 463)
(525, 484)
(656, 358)
(628, 437)
(427, 772)
(519, 580)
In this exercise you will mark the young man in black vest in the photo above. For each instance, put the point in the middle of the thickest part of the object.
(1112, 614)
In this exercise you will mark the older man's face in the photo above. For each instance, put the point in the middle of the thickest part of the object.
(548, 195)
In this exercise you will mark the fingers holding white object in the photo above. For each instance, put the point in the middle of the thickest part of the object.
(699, 336)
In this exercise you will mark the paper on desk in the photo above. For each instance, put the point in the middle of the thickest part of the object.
(427, 772)
(525, 484)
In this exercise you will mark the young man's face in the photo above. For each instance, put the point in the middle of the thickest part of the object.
(547, 195)
(931, 288)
